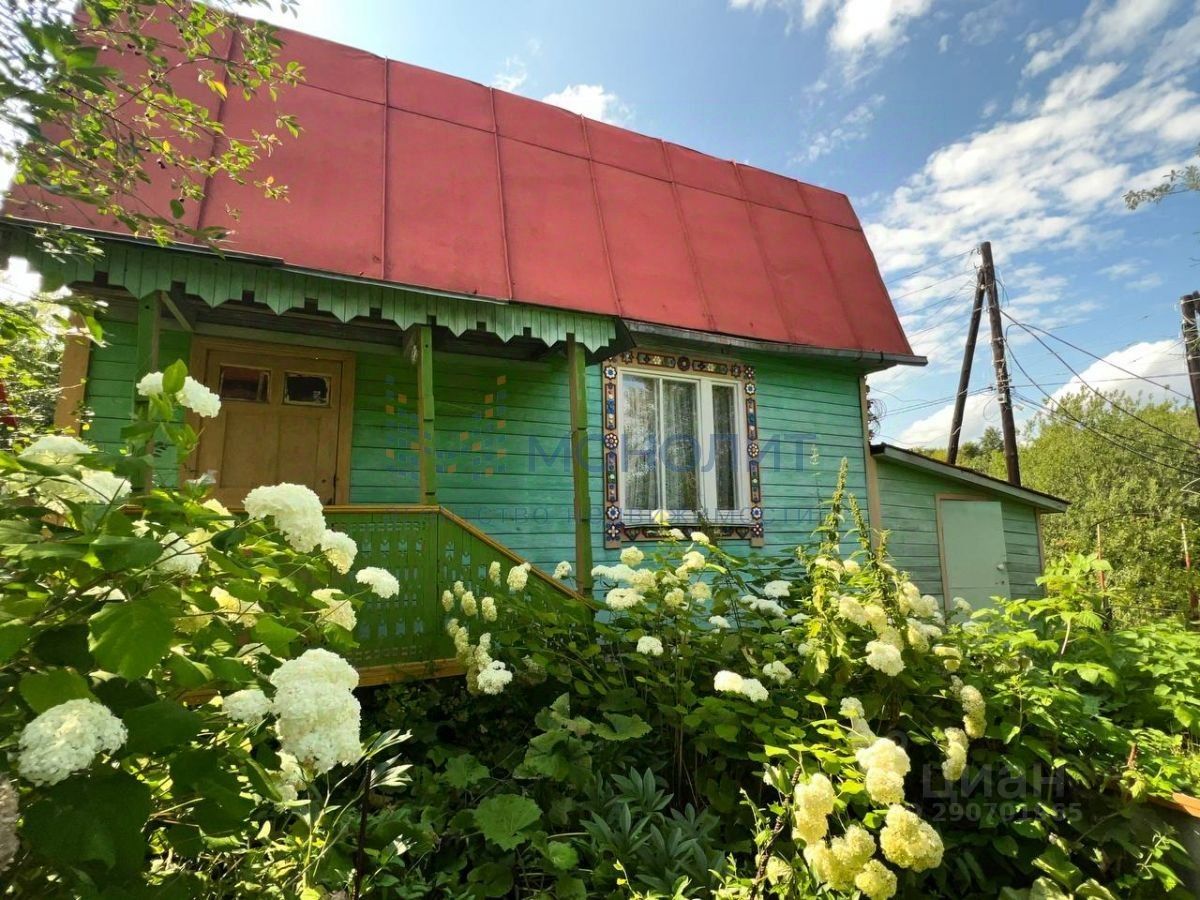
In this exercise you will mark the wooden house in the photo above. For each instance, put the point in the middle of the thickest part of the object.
(484, 324)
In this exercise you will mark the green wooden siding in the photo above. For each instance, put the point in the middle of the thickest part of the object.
(908, 507)
(809, 421)
(110, 387)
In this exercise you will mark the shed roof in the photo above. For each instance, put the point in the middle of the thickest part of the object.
(414, 177)
(1043, 501)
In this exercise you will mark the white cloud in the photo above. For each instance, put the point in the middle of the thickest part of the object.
(982, 26)
(513, 76)
(854, 126)
(859, 28)
(943, 43)
(1105, 28)
(981, 410)
(1161, 363)
(593, 101)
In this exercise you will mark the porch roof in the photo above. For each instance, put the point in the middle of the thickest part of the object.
(410, 177)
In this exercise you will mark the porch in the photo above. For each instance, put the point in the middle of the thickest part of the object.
(425, 434)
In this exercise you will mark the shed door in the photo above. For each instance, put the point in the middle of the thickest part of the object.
(278, 421)
(973, 549)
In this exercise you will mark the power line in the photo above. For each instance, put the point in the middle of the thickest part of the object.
(932, 284)
(936, 262)
(1104, 397)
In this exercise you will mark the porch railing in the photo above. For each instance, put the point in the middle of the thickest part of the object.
(427, 548)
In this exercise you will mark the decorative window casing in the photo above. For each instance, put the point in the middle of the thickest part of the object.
(680, 434)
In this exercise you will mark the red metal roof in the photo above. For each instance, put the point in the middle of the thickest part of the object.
(411, 176)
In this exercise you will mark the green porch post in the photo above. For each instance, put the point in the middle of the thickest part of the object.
(577, 375)
(426, 443)
(147, 357)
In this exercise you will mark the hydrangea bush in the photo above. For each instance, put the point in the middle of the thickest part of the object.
(173, 693)
(791, 727)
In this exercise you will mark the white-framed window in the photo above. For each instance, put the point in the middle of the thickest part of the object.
(682, 447)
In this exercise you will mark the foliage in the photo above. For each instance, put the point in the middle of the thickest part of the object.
(128, 620)
(607, 769)
(90, 105)
(1177, 181)
(1134, 488)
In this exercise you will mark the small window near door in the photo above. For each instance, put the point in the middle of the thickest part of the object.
(300, 389)
(245, 384)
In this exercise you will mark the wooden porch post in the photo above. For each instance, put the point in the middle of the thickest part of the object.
(147, 357)
(72, 377)
(577, 375)
(426, 442)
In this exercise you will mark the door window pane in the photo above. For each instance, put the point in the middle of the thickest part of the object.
(639, 441)
(244, 383)
(305, 390)
(680, 440)
(725, 444)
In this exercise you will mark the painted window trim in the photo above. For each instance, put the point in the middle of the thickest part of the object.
(616, 529)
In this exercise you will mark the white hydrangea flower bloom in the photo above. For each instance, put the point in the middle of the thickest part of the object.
(381, 582)
(719, 622)
(700, 590)
(447, 600)
(487, 609)
(885, 764)
(642, 580)
(296, 509)
(876, 881)
(852, 708)
(249, 705)
(620, 598)
(240, 612)
(909, 841)
(851, 566)
(814, 802)
(885, 657)
(518, 577)
(494, 571)
(727, 682)
(764, 607)
(632, 556)
(65, 739)
(693, 561)
(778, 672)
(951, 657)
(974, 711)
(340, 549)
(753, 690)
(104, 487)
(851, 609)
(675, 534)
(150, 385)
(699, 537)
(180, 554)
(561, 571)
(317, 715)
(776, 590)
(55, 450)
(459, 589)
(649, 646)
(291, 777)
(956, 748)
(469, 606)
(199, 399)
(338, 608)
(494, 678)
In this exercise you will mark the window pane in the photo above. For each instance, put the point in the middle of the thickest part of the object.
(639, 441)
(725, 445)
(680, 444)
(244, 383)
(305, 390)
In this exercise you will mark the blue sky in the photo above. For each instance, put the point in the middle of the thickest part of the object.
(946, 121)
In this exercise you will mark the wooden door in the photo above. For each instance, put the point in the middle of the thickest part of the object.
(279, 420)
(974, 551)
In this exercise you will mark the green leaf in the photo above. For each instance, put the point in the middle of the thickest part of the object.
(173, 377)
(491, 880)
(503, 819)
(13, 636)
(159, 726)
(118, 553)
(129, 638)
(622, 728)
(49, 688)
(1058, 865)
(562, 856)
(93, 819)
(464, 770)
(66, 645)
(274, 634)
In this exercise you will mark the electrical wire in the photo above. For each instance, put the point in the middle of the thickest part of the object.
(936, 262)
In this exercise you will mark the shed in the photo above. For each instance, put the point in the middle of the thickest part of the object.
(958, 532)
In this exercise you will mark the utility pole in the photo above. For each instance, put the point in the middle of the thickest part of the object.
(964, 376)
(1191, 345)
(987, 275)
